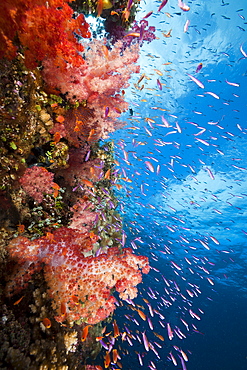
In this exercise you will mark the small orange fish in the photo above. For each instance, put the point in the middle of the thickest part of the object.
(87, 182)
(108, 174)
(21, 228)
(63, 309)
(117, 109)
(92, 171)
(126, 179)
(19, 300)
(142, 315)
(116, 330)
(99, 7)
(107, 360)
(105, 51)
(168, 34)
(99, 338)
(158, 72)
(46, 322)
(56, 137)
(125, 15)
(114, 13)
(85, 333)
(159, 336)
(56, 188)
(114, 355)
(91, 134)
(133, 34)
(107, 334)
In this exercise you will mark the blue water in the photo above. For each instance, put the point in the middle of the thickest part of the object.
(186, 208)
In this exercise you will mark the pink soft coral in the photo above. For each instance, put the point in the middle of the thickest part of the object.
(105, 72)
(80, 287)
(98, 82)
(37, 182)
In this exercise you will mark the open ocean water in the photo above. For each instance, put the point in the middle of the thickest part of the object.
(183, 157)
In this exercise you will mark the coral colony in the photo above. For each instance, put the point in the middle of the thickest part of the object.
(62, 241)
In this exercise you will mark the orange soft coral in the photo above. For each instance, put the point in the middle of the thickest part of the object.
(43, 29)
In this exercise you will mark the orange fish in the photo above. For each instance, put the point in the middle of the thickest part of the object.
(159, 336)
(125, 15)
(19, 300)
(158, 72)
(87, 182)
(114, 355)
(21, 228)
(107, 334)
(118, 110)
(56, 137)
(108, 174)
(107, 360)
(105, 51)
(168, 34)
(142, 315)
(56, 188)
(85, 333)
(46, 322)
(92, 171)
(63, 309)
(99, 7)
(91, 134)
(133, 34)
(116, 330)
(99, 338)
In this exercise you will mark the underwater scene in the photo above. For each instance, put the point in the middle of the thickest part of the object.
(123, 184)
